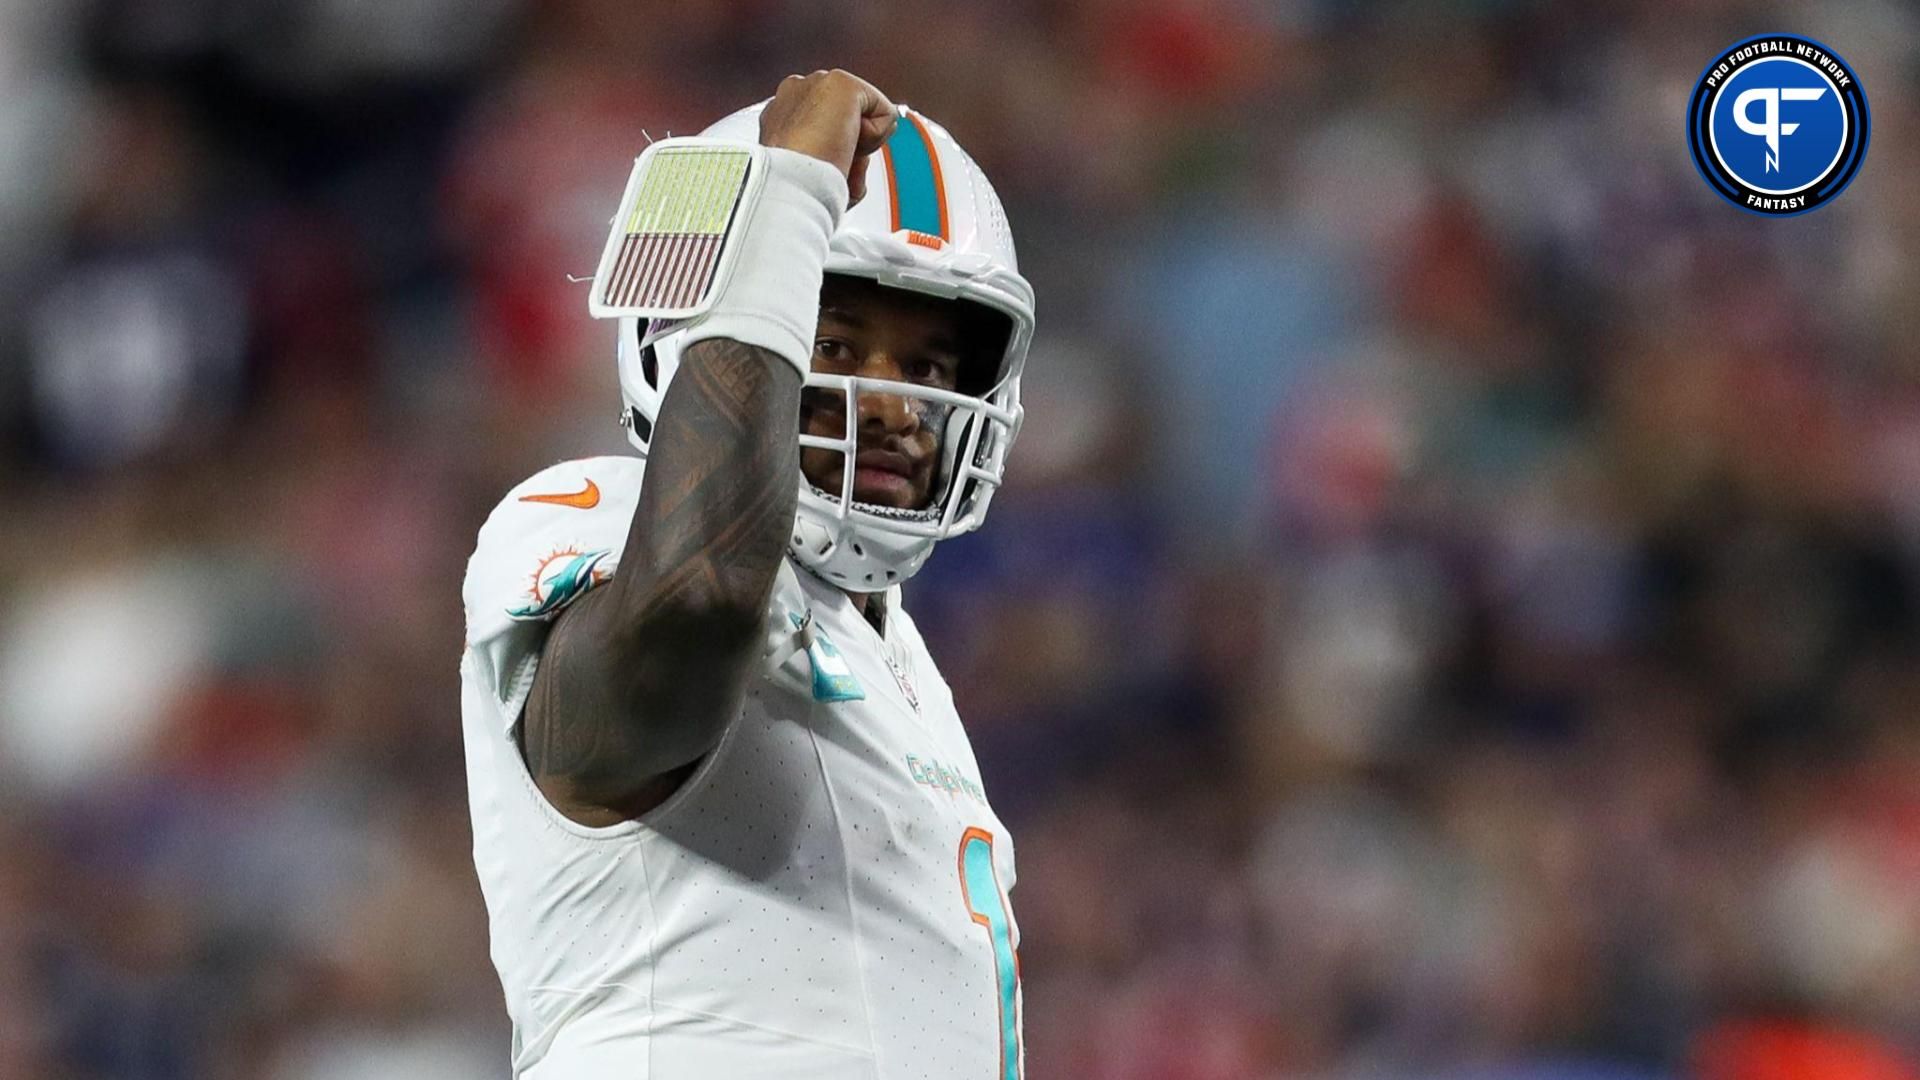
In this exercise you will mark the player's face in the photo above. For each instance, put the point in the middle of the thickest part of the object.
(869, 330)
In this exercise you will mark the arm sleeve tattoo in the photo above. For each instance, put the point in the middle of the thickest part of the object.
(639, 678)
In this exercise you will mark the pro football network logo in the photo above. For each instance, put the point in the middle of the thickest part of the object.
(1778, 124)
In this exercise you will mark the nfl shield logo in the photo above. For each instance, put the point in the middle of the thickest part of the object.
(905, 680)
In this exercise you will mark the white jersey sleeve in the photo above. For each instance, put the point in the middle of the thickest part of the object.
(554, 537)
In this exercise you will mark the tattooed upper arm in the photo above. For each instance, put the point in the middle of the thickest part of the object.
(639, 677)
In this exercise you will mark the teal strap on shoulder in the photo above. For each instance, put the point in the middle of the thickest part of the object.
(833, 680)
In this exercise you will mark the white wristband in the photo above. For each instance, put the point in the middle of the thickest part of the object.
(772, 299)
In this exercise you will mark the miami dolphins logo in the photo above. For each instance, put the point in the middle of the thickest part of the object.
(559, 580)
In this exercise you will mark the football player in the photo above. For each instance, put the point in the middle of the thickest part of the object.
(726, 819)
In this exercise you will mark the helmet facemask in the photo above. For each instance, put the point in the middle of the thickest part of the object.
(865, 545)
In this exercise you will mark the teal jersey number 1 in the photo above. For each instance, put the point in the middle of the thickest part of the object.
(987, 904)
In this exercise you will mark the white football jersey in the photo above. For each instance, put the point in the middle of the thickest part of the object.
(826, 896)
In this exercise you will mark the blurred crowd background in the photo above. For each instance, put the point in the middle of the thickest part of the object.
(1453, 610)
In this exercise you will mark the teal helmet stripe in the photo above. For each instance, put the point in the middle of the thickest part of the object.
(918, 201)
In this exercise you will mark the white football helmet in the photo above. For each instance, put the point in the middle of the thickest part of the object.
(930, 223)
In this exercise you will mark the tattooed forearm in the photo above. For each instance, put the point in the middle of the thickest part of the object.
(639, 677)
(718, 504)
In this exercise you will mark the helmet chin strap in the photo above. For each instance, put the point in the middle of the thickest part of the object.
(874, 609)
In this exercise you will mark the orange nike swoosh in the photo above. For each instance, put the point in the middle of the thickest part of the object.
(585, 499)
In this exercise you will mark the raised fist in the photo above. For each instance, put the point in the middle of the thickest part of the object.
(835, 116)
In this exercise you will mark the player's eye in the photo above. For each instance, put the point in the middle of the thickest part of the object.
(832, 351)
(933, 370)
